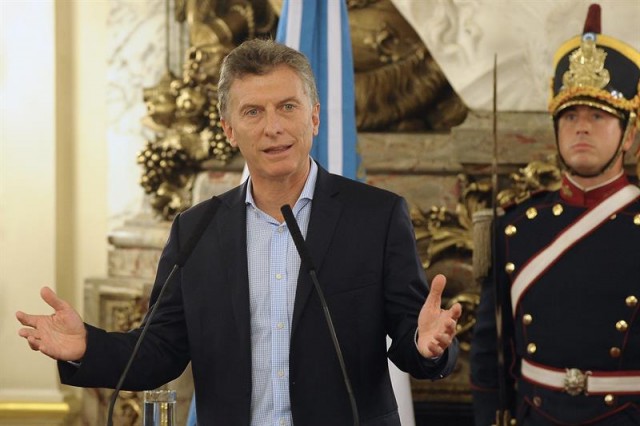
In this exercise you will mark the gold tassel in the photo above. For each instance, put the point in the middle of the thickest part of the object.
(481, 260)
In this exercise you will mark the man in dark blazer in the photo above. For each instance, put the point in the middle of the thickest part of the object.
(223, 310)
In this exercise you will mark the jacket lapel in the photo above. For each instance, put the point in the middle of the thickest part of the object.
(233, 235)
(325, 212)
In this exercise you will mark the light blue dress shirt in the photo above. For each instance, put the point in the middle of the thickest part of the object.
(274, 265)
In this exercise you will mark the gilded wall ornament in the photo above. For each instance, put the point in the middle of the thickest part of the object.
(399, 86)
(445, 244)
(183, 111)
(449, 242)
(534, 177)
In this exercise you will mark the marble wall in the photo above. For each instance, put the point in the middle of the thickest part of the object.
(137, 58)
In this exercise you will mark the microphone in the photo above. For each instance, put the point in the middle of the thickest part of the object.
(298, 240)
(181, 259)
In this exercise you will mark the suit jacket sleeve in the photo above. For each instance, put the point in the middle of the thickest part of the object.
(406, 285)
(163, 354)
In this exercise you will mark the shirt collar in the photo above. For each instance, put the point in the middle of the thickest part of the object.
(307, 191)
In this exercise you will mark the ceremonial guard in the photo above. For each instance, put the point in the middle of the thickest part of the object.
(567, 262)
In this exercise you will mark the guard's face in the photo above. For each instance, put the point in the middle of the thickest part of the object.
(588, 137)
(271, 120)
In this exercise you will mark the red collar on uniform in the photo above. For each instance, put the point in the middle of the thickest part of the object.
(577, 196)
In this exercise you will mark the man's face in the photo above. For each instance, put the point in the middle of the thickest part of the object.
(271, 120)
(588, 137)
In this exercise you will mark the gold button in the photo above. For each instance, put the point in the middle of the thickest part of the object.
(509, 267)
(614, 352)
(631, 301)
(609, 399)
(532, 212)
(557, 210)
(510, 230)
(526, 319)
(537, 401)
(613, 216)
(531, 348)
(636, 219)
(622, 325)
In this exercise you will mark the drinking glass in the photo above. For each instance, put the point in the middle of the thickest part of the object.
(159, 408)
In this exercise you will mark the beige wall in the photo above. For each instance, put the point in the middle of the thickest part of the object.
(52, 175)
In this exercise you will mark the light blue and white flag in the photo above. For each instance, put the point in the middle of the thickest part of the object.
(320, 30)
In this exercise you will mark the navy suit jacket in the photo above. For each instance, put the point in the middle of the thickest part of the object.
(362, 243)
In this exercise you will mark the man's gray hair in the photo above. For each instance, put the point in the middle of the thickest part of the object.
(259, 57)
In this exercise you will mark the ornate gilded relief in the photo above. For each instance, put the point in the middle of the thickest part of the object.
(184, 115)
(399, 87)
(122, 312)
(183, 112)
(446, 244)
(534, 177)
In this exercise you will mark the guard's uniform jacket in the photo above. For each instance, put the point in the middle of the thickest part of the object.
(581, 315)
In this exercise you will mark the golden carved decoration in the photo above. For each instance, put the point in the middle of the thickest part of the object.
(183, 112)
(398, 84)
(128, 314)
(586, 66)
(398, 87)
(124, 312)
(184, 115)
(469, 302)
(534, 177)
(128, 408)
(446, 244)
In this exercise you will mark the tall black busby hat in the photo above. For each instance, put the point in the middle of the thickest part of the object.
(598, 71)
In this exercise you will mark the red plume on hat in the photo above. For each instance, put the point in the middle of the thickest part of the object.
(596, 70)
(593, 24)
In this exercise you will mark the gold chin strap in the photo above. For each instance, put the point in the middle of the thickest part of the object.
(631, 122)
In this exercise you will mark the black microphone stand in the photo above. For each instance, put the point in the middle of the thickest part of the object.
(298, 240)
(181, 259)
(116, 391)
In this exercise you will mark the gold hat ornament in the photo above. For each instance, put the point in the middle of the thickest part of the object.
(598, 71)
